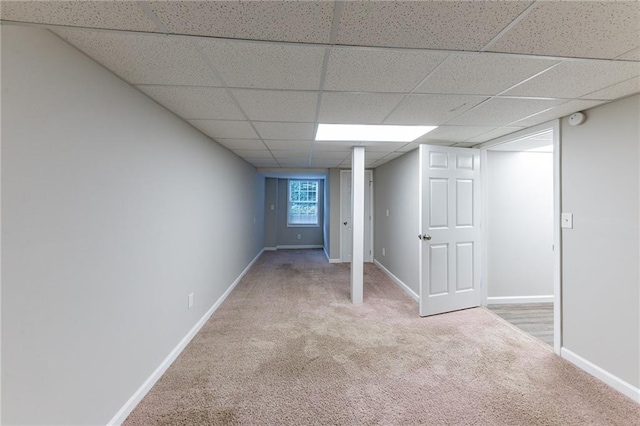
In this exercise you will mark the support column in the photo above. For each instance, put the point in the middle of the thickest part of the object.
(357, 211)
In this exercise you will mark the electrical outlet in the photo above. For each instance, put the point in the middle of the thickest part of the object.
(273, 207)
(299, 236)
(384, 252)
(190, 299)
(567, 220)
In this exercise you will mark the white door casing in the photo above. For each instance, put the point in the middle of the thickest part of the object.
(449, 238)
(346, 230)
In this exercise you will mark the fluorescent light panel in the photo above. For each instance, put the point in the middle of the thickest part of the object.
(370, 133)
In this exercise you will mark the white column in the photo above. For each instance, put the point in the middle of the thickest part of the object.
(357, 210)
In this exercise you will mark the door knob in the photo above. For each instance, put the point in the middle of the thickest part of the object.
(344, 223)
(426, 237)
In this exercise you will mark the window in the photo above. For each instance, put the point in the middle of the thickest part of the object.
(303, 203)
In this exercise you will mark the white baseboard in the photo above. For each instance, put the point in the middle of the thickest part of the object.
(270, 248)
(128, 407)
(601, 374)
(295, 247)
(335, 260)
(516, 300)
(397, 280)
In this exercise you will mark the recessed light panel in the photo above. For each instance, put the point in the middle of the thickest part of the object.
(370, 133)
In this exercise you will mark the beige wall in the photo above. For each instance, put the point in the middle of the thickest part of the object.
(113, 211)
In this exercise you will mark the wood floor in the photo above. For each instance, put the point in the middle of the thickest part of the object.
(533, 318)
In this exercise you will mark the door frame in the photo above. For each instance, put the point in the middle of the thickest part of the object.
(554, 126)
(368, 175)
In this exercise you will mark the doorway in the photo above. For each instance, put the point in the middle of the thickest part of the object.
(346, 227)
(521, 231)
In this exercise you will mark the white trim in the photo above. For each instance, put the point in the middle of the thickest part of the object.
(128, 407)
(397, 280)
(518, 300)
(293, 247)
(270, 248)
(335, 260)
(601, 374)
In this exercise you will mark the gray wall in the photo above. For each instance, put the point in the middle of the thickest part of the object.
(113, 211)
(276, 232)
(271, 213)
(326, 219)
(601, 282)
(334, 215)
(519, 224)
(396, 189)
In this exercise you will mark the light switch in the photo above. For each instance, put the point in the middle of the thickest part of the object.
(387, 212)
(567, 220)
(190, 300)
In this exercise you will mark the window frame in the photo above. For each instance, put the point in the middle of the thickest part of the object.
(317, 202)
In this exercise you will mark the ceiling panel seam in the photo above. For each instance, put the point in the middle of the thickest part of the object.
(416, 87)
(512, 24)
(318, 45)
(231, 95)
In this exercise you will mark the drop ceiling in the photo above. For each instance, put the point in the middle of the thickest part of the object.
(258, 76)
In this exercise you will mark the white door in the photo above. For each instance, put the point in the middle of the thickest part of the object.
(449, 241)
(346, 231)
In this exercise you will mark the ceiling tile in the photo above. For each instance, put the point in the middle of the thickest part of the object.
(270, 105)
(254, 153)
(374, 155)
(481, 73)
(284, 131)
(334, 146)
(292, 155)
(466, 144)
(308, 22)
(195, 102)
(502, 111)
(586, 29)
(120, 15)
(378, 70)
(490, 135)
(432, 109)
(455, 25)
(144, 59)
(453, 133)
(573, 79)
(382, 146)
(265, 65)
(616, 91)
(264, 163)
(325, 164)
(224, 129)
(560, 111)
(356, 108)
(234, 144)
(632, 55)
(279, 145)
(330, 155)
(295, 163)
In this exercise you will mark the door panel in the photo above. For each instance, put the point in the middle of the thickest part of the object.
(450, 231)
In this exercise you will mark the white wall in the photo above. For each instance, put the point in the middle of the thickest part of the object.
(601, 280)
(113, 210)
(519, 224)
(396, 190)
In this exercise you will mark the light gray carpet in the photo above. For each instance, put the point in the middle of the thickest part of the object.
(287, 347)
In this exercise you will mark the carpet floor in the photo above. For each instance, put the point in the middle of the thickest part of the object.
(288, 348)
